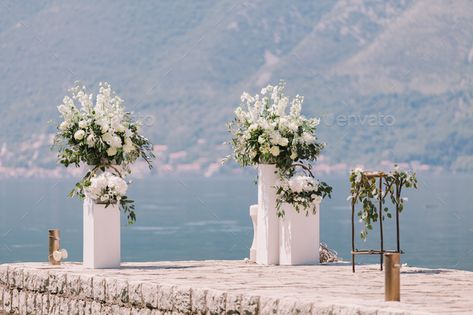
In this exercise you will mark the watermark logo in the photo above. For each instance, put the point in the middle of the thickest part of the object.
(146, 120)
(370, 120)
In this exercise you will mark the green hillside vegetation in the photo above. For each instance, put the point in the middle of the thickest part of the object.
(182, 65)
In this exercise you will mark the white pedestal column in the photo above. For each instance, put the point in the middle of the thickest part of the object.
(254, 217)
(101, 235)
(299, 237)
(267, 245)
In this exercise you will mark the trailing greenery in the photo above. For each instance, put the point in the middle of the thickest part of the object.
(365, 190)
(303, 192)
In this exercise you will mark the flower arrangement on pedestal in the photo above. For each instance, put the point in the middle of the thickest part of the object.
(264, 131)
(303, 192)
(105, 137)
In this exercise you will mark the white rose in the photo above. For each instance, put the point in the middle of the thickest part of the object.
(274, 150)
(120, 128)
(111, 151)
(116, 142)
(91, 140)
(118, 184)
(112, 140)
(295, 184)
(307, 137)
(107, 138)
(83, 124)
(293, 155)
(99, 182)
(104, 127)
(275, 138)
(128, 147)
(64, 125)
(261, 140)
(283, 142)
(302, 183)
(79, 134)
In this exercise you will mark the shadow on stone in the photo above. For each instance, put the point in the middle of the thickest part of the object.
(427, 272)
(158, 267)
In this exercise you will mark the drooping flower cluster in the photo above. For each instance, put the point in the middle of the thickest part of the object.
(303, 192)
(106, 188)
(98, 134)
(270, 129)
(101, 135)
(266, 132)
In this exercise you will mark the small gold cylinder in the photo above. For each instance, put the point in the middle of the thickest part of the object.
(54, 245)
(392, 276)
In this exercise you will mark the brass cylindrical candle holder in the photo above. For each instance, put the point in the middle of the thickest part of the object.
(392, 277)
(54, 243)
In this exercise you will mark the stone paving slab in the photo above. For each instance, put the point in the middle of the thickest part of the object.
(228, 287)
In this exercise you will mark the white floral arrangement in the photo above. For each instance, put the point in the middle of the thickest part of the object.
(106, 188)
(270, 129)
(267, 133)
(100, 133)
(303, 192)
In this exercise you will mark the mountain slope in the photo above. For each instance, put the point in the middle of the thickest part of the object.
(181, 67)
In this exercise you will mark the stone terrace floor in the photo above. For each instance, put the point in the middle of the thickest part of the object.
(438, 291)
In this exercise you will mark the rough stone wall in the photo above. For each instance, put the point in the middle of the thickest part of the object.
(24, 291)
(41, 289)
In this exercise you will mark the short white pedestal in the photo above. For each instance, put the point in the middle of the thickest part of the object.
(267, 245)
(101, 235)
(254, 218)
(299, 237)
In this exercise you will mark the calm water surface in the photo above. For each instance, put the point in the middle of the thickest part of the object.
(208, 219)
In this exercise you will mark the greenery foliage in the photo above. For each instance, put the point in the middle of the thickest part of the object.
(365, 190)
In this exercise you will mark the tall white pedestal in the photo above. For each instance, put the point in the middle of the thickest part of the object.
(299, 237)
(267, 245)
(101, 235)
(254, 218)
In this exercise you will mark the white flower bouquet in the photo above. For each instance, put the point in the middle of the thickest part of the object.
(101, 135)
(303, 192)
(266, 133)
(106, 188)
(270, 129)
(98, 134)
